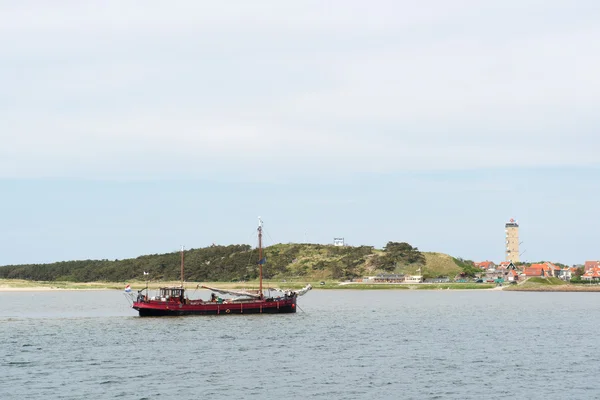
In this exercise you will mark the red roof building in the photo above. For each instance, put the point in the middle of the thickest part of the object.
(485, 265)
(591, 264)
(555, 269)
(591, 274)
(540, 270)
(506, 265)
(513, 275)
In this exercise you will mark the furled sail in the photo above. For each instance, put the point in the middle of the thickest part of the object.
(233, 292)
(290, 292)
(304, 290)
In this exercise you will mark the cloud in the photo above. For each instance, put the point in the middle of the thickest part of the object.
(113, 89)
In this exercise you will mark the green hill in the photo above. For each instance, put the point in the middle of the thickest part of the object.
(306, 262)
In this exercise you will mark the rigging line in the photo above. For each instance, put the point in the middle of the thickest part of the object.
(250, 252)
(252, 248)
(252, 236)
(297, 306)
(129, 299)
(270, 238)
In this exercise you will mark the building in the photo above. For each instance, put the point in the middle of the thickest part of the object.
(567, 273)
(486, 266)
(512, 241)
(591, 265)
(507, 270)
(592, 274)
(388, 278)
(338, 241)
(506, 266)
(539, 270)
(555, 269)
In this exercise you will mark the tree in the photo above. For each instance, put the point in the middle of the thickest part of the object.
(467, 266)
(401, 253)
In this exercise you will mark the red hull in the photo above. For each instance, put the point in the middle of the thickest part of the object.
(155, 308)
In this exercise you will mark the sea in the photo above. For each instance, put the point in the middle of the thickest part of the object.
(341, 344)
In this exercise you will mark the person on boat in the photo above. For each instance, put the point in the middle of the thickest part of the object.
(213, 297)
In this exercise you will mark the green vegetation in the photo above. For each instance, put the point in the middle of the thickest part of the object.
(438, 265)
(395, 254)
(292, 263)
(537, 283)
(576, 278)
(468, 267)
(419, 286)
(545, 281)
(551, 285)
(463, 286)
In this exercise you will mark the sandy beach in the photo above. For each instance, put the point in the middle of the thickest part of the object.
(44, 289)
(19, 285)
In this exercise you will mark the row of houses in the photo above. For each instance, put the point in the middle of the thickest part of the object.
(513, 272)
(506, 270)
(543, 270)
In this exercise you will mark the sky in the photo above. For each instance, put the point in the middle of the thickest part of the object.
(135, 127)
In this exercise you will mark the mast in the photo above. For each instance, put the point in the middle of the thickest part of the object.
(182, 266)
(260, 257)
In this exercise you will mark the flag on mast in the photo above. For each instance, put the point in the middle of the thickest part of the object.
(128, 288)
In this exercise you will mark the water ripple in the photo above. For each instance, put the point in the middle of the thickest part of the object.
(347, 345)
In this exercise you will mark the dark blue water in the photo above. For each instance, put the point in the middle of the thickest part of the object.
(345, 345)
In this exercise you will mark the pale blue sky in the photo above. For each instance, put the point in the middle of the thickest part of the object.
(132, 127)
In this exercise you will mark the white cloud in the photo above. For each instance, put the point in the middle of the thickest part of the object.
(110, 89)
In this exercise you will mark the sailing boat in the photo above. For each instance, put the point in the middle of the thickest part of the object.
(174, 301)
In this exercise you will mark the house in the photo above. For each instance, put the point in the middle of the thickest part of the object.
(539, 270)
(486, 266)
(413, 279)
(513, 276)
(567, 273)
(591, 275)
(388, 278)
(590, 265)
(554, 269)
(544, 270)
(506, 265)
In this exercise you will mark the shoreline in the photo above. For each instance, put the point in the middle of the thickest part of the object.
(561, 288)
(496, 289)
(8, 285)
(50, 289)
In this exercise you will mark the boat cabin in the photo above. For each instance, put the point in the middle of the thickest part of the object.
(168, 293)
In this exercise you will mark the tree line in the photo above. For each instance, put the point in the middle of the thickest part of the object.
(230, 263)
